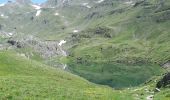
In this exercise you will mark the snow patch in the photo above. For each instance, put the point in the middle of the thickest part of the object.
(129, 3)
(64, 66)
(3, 16)
(6, 34)
(100, 1)
(63, 52)
(86, 5)
(38, 13)
(62, 42)
(10, 34)
(36, 7)
(75, 31)
(3, 4)
(56, 14)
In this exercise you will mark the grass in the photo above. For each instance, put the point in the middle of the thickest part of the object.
(138, 44)
(21, 78)
(164, 95)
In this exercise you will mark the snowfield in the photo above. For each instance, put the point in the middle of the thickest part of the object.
(100, 1)
(75, 31)
(3, 16)
(62, 42)
(130, 3)
(56, 14)
(36, 7)
(3, 4)
(86, 5)
(38, 13)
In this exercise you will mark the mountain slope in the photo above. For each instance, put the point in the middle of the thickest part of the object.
(120, 43)
(31, 80)
(122, 35)
(21, 78)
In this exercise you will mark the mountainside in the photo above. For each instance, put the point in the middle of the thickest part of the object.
(118, 43)
(31, 80)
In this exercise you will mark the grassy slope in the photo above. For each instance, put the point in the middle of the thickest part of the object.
(21, 78)
(138, 43)
(133, 41)
(131, 36)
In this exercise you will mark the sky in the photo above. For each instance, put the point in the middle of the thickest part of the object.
(34, 1)
(38, 1)
(2, 1)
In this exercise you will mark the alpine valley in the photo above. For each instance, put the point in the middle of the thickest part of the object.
(85, 50)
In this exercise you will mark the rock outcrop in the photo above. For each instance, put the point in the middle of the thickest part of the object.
(165, 81)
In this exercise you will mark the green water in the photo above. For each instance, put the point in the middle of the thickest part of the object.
(114, 74)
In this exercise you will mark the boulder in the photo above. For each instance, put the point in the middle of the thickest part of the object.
(165, 81)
